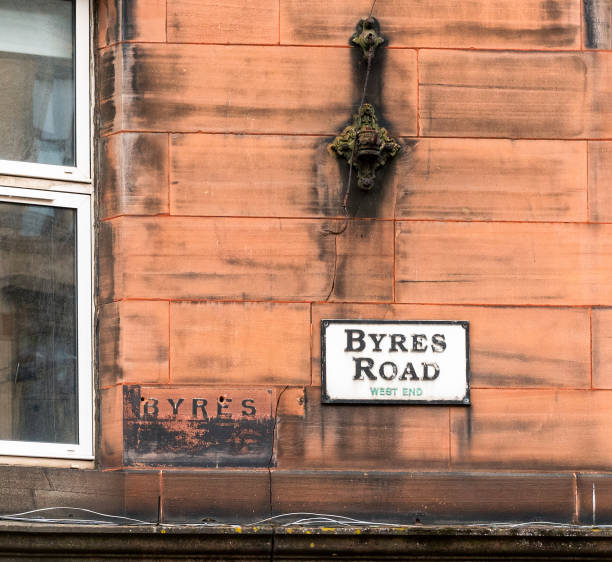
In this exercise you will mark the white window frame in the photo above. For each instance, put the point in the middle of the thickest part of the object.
(36, 184)
(82, 203)
(82, 171)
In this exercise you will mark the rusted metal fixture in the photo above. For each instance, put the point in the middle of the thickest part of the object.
(367, 145)
(368, 36)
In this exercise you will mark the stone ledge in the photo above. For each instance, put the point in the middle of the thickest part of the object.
(542, 542)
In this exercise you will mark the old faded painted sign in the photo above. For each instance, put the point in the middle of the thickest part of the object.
(197, 426)
(400, 362)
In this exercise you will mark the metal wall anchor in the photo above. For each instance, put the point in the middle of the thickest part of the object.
(367, 36)
(367, 144)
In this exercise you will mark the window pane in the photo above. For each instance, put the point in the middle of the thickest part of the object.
(38, 331)
(37, 90)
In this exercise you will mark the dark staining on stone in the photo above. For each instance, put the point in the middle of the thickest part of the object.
(107, 74)
(131, 402)
(554, 35)
(597, 21)
(142, 152)
(111, 34)
(152, 205)
(115, 373)
(551, 10)
(151, 227)
(128, 21)
(107, 178)
(146, 152)
(106, 269)
(203, 443)
(108, 112)
(365, 204)
(162, 353)
(375, 86)
(325, 197)
(340, 285)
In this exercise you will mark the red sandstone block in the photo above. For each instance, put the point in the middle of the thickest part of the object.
(467, 179)
(400, 497)
(107, 30)
(594, 499)
(600, 198)
(280, 176)
(503, 263)
(134, 342)
(109, 492)
(209, 21)
(240, 343)
(198, 426)
(509, 346)
(131, 20)
(291, 402)
(363, 437)
(517, 95)
(533, 430)
(271, 259)
(233, 496)
(436, 178)
(602, 348)
(133, 174)
(522, 24)
(363, 268)
(212, 88)
(111, 427)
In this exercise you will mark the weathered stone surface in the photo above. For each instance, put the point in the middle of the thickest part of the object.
(504, 263)
(510, 347)
(479, 24)
(532, 430)
(248, 89)
(515, 95)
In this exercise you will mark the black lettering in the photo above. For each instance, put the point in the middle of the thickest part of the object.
(201, 404)
(377, 338)
(417, 342)
(409, 370)
(397, 340)
(361, 369)
(426, 375)
(176, 406)
(150, 408)
(250, 410)
(381, 371)
(353, 336)
(222, 405)
(438, 343)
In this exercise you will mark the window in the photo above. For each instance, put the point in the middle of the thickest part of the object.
(44, 92)
(46, 389)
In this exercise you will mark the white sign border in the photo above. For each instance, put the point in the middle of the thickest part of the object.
(325, 399)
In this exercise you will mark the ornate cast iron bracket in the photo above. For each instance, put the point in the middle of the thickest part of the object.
(365, 145)
(368, 145)
(368, 36)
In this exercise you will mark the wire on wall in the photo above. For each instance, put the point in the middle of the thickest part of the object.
(347, 189)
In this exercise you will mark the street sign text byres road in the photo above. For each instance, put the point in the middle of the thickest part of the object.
(398, 362)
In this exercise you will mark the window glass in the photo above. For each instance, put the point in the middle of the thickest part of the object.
(37, 90)
(38, 327)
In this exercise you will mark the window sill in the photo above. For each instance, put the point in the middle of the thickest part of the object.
(46, 462)
(46, 184)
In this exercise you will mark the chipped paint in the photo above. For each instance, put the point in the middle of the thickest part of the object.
(197, 426)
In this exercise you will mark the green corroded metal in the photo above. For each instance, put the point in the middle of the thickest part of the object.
(367, 145)
(368, 36)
